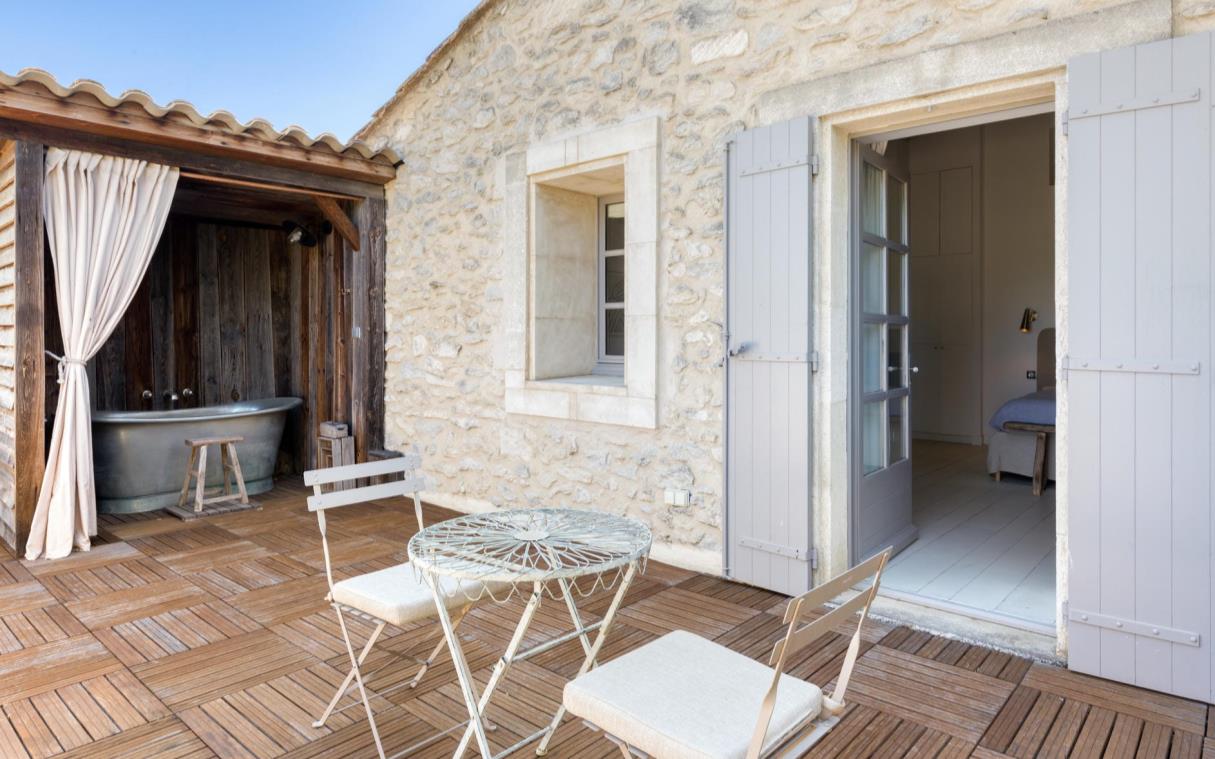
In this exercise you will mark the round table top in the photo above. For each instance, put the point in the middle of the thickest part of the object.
(529, 545)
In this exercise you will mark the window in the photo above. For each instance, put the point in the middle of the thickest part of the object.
(611, 284)
(574, 284)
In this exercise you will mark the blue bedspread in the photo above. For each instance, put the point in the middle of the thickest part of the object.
(1035, 408)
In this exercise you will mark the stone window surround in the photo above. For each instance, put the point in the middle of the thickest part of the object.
(631, 401)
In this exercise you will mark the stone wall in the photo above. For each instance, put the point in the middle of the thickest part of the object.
(528, 72)
(8, 341)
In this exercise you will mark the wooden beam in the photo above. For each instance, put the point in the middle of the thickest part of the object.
(376, 253)
(338, 218)
(29, 437)
(264, 186)
(45, 108)
(188, 159)
(366, 402)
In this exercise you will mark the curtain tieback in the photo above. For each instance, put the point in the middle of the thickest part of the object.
(64, 361)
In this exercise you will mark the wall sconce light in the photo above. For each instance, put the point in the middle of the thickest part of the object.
(1027, 320)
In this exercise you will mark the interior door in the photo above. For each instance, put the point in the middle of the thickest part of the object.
(1136, 390)
(882, 369)
(768, 509)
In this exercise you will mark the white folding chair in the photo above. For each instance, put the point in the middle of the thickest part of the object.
(397, 595)
(681, 696)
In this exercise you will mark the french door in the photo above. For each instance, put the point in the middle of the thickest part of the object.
(881, 369)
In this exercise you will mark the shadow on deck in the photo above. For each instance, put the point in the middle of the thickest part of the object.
(194, 639)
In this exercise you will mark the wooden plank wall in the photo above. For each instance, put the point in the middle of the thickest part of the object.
(234, 312)
(8, 340)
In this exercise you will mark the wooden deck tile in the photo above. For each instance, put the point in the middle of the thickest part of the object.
(945, 698)
(231, 578)
(319, 634)
(23, 596)
(1149, 706)
(214, 638)
(285, 601)
(229, 665)
(98, 556)
(167, 738)
(118, 606)
(51, 665)
(119, 574)
(676, 608)
(37, 626)
(174, 631)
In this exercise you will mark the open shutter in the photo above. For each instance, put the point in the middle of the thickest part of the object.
(1138, 365)
(768, 368)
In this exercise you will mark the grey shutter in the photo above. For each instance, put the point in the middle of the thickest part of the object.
(768, 372)
(1138, 366)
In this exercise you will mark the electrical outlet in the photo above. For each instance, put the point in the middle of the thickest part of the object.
(1031, 374)
(672, 497)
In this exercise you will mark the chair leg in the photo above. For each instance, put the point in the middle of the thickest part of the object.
(345, 686)
(358, 678)
(434, 655)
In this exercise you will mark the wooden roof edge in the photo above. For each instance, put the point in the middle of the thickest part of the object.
(33, 96)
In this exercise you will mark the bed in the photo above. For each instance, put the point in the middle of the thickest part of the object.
(1023, 440)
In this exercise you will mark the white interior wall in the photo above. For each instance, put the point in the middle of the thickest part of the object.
(982, 241)
(1019, 257)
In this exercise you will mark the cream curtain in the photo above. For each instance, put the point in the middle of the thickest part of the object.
(104, 216)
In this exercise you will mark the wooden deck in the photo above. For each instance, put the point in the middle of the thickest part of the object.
(205, 638)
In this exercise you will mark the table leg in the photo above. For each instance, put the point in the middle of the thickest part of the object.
(574, 615)
(462, 672)
(500, 668)
(593, 654)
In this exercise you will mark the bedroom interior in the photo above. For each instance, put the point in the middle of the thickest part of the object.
(980, 282)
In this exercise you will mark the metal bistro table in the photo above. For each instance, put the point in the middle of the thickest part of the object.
(511, 550)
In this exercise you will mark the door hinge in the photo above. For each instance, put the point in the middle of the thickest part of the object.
(814, 165)
(788, 552)
(813, 362)
(814, 558)
(1063, 125)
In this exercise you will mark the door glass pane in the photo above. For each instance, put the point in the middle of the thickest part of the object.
(613, 279)
(613, 338)
(613, 227)
(871, 357)
(872, 218)
(898, 428)
(896, 280)
(896, 210)
(871, 279)
(895, 346)
(873, 433)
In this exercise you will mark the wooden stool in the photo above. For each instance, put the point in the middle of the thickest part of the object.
(1040, 433)
(196, 470)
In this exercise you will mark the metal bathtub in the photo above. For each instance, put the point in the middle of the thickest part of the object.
(140, 457)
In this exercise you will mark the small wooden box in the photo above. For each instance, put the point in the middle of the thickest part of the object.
(335, 451)
(334, 430)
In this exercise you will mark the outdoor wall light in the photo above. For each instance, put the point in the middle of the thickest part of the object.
(1027, 320)
(298, 234)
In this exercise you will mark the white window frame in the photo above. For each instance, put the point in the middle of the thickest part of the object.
(630, 400)
(609, 365)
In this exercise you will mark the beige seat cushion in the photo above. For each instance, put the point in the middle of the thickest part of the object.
(399, 595)
(684, 697)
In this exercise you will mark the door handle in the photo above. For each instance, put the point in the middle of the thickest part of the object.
(915, 370)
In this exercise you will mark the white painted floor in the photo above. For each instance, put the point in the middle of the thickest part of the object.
(983, 545)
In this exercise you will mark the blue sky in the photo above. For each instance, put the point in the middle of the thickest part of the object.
(325, 66)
